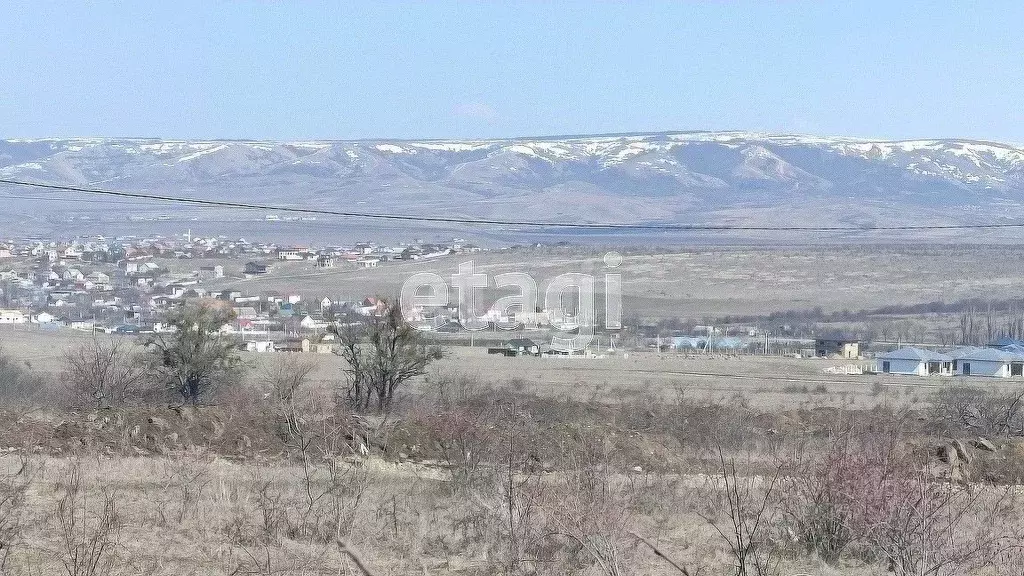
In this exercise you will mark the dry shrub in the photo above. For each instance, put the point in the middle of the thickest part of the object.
(703, 429)
(330, 489)
(89, 537)
(748, 503)
(104, 373)
(835, 491)
(512, 503)
(14, 483)
(867, 493)
(287, 384)
(458, 419)
(20, 387)
(939, 528)
(587, 510)
(271, 506)
(976, 411)
(185, 478)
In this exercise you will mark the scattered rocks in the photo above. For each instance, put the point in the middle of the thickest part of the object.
(983, 444)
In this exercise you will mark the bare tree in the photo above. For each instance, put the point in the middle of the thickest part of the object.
(195, 356)
(287, 380)
(382, 353)
(105, 372)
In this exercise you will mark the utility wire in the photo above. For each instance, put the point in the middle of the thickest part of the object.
(486, 221)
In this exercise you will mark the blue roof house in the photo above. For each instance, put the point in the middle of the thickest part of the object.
(915, 362)
(983, 361)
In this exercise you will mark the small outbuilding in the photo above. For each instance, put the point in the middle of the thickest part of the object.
(915, 362)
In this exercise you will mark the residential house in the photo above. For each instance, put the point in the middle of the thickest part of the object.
(310, 323)
(256, 269)
(12, 317)
(83, 325)
(841, 345)
(993, 362)
(245, 312)
(98, 277)
(211, 272)
(915, 362)
(72, 275)
(261, 346)
(292, 254)
(523, 347)
(44, 318)
(314, 347)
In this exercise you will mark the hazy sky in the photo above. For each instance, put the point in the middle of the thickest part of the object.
(293, 70)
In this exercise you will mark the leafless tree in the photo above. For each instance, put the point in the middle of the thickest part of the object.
(287, 380)
(382, 353)
(104, 372)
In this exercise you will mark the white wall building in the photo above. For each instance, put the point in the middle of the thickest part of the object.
(12, 317)
(992, 362)
(915, 362)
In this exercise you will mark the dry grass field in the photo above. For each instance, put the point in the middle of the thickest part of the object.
(708, 282)
(640, 462)
(764, 382)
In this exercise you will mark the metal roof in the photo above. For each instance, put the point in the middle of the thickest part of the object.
(915, 354)
(986, 354)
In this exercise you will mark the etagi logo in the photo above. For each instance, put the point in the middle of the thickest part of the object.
(569, 300)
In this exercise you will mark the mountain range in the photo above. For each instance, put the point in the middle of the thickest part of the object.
(734, 178)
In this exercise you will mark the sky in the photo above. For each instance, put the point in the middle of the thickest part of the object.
(277, 70)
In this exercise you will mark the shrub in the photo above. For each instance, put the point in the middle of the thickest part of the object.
(104, 373)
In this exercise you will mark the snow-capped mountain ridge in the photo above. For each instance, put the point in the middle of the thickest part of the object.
(663, 176)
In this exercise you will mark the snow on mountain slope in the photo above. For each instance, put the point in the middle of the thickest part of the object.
(650, 175)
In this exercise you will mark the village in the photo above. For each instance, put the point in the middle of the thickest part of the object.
(125, 285)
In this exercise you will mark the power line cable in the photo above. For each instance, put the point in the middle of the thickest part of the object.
(496, 222)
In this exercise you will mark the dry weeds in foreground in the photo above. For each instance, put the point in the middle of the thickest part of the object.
(281, 479)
